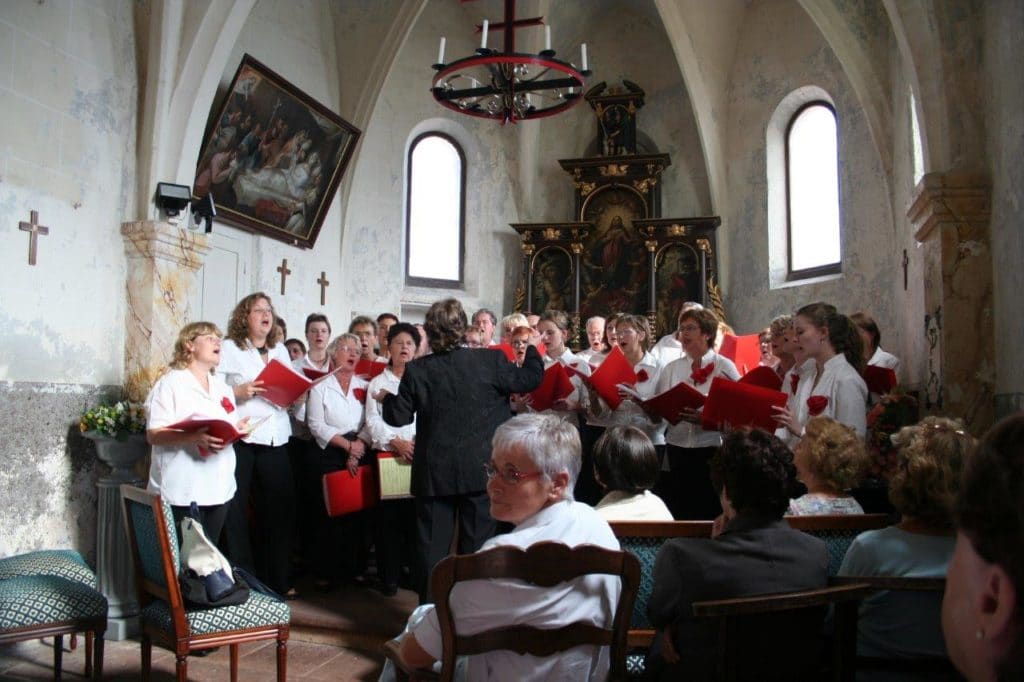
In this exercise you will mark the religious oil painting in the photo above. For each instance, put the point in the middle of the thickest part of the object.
(274, 157)
(677, 280)
(552, 280)
(614, 263)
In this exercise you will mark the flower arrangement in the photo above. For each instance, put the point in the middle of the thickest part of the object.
(894, 411)
(116, 421)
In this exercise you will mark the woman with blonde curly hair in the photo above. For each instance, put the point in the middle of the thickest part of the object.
(196, 466)
(930, 459)
(830, 459)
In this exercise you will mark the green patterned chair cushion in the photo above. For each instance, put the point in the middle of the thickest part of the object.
(646, 550)
(41, 599)
(64, 563)
(148, 539)
(258, 611)
(837, 541)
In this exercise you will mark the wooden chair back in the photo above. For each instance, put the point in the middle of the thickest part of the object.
(544, 564)
(772, 637)
(940, 667)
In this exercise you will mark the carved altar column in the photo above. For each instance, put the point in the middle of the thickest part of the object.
(951, 213)
(162, 264)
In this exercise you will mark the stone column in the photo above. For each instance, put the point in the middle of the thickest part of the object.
(951, 213)
(163, 261)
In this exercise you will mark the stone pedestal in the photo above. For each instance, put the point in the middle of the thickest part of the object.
(951, 213)
(114, 570)
(163, 262)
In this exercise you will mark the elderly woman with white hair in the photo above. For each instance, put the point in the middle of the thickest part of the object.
(533, 466)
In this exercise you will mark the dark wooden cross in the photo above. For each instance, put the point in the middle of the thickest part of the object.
(35, 229)
(323, 287)
(905, 262)
(283, 269)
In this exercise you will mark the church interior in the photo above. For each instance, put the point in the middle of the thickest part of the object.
(104, 99)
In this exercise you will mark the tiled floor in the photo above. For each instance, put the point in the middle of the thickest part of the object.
(336, 636)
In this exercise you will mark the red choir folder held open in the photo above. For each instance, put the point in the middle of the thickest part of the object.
(283, 384)
(880, 380)
(765, 377)
(613, 371)
(216, 427)
(744, 351)
(670, 404)
(313, 374)
(553, 387)
(345, 493)
(368, 369)
(738, 404)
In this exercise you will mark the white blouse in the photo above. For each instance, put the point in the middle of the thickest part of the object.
(298, 408)
(239, 366)
(881, 358)
(330, 411)
(378, 431)
(797, 399)
(178, 472)
(684, 434)
(629, 413)
(845, 390)
(578, 398)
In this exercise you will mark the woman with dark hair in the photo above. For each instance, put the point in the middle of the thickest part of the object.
(393, 527)
(263, 469)
(626, 467)
(686, 486)
(458, 397)
(192, 467)
(834, 386)
(871, 338)
(929, 465)
(983, 608)
(752, 552)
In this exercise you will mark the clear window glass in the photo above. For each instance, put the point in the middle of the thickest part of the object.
(436, 209)
(812, 184)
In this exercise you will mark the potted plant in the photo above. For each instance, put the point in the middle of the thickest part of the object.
(118, 430)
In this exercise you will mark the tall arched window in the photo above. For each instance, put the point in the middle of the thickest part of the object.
(435, 218)
(812, 191)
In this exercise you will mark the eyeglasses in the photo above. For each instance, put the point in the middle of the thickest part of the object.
(689, 328)
(261, 310)
(510, 474)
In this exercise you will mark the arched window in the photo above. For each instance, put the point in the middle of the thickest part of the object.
(812, 192)
(435, 212)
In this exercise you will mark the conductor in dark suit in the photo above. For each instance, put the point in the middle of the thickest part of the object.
(458, 397)
(753, 551)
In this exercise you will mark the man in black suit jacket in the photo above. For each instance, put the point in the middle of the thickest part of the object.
(754, 552)
(458, 396)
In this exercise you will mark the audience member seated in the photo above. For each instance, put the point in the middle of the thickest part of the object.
(534, 463)
(830, 460)
(626, 467)
(982, 612)
(930, 461)
(752, 552)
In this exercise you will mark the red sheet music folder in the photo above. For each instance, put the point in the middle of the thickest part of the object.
(765, 377)
(313, 374)
(368, 369)
(880, 380)
(670, 404)
(737, 404)
(553, 387)
(282, 383)
(613, 371)
(344, 493)
(744, 351)
(218, 428)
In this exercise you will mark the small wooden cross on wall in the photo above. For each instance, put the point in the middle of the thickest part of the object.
(33, 227)
(905, 262)
(283, 269)
(323, 287)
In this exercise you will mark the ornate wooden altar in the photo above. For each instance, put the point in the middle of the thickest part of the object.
(620, 255)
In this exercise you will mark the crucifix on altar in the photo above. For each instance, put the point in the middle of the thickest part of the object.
(35, 229)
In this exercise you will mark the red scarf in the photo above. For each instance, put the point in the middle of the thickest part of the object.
(700, 375)
(794, 379)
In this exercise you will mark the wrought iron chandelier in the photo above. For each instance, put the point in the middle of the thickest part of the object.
(509, 86)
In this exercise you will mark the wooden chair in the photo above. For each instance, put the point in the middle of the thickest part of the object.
(164, 615)
(544, 564)
(930, 665)
(747, 650)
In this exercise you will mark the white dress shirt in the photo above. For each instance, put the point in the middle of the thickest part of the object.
(684, 434)
(239, 366)
(619, 505)
(881, 358)
(378, 431)
(845, 390)
(797, 399)
(481, 605)
(668, 349)
(578, 398)
(330, 411)
(629, 413)
(178, 472)
(298, 408)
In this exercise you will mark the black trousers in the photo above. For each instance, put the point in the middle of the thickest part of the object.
(394, 537)
(212, 517)
(687, 489)
(264, 477)
(342, 542)
(436, 517)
